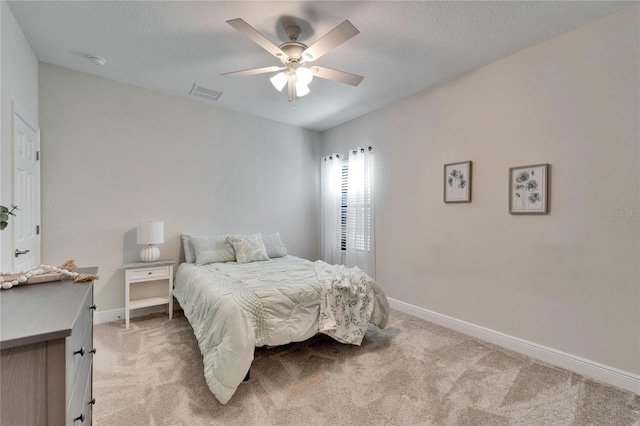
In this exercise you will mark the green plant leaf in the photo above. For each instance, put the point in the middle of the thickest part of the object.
(4, 215)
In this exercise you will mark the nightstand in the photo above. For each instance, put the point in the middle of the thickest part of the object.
(139, 272)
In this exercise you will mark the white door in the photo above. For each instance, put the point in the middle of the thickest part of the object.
(26, 194)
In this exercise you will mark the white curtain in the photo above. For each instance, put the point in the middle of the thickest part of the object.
(360, 237)
(330, 175)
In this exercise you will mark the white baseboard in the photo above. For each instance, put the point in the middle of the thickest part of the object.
(585, 367)
(118, 314)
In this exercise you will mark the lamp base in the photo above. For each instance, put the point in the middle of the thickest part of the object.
(151, 253)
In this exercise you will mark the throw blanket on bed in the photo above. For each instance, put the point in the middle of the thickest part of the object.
(346, 302)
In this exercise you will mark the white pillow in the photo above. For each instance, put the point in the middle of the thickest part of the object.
(273, 244)
(248, 248)
(211, 249)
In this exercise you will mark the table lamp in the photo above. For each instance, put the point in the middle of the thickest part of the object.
(150, 233)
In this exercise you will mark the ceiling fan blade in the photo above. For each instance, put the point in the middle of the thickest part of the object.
(340, 76)
(330, 40)
(246, 29)
(253, 71)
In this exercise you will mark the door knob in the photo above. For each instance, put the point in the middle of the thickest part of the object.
(19, 252)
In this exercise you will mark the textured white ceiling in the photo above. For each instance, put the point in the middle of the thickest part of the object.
(403, 47)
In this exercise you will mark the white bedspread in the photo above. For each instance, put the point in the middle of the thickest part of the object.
(233, 308)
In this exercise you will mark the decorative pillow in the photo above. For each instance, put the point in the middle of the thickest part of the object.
(189, 255)
(248, 248)
(273, 244)
(211, 249)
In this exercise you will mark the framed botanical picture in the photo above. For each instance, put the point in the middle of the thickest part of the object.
(457, 182)
(529, 189)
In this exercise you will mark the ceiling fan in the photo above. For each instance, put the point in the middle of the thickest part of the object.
(295, 55)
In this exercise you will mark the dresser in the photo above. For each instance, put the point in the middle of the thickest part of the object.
(46, 350)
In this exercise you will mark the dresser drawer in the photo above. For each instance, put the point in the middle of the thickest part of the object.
(79, 363)
(148, 274)
(88, 400)
(80, 405)
(79, 344)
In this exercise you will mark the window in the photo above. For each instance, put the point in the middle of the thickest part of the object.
(347, 209)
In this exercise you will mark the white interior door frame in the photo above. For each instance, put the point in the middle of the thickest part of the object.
(25, 250)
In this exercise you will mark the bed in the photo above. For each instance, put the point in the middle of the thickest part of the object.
(236, 303)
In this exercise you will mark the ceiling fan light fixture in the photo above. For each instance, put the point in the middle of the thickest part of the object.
(279, 81)
(304, 75)
(301, 89)
(294, 54)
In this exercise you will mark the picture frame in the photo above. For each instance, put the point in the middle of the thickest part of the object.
(529, 189)
(457, 182)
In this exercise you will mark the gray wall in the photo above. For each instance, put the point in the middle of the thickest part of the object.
(568, 280)
(114, 154)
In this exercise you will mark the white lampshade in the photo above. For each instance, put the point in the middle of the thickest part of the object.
(301, 89)
(279, 81)
(150, 234)
(304, 75)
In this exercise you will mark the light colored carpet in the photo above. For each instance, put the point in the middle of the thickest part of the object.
(411, 373)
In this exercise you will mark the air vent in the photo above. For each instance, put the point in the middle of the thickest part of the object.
(205, 93)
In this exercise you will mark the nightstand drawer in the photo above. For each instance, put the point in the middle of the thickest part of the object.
(147, 274)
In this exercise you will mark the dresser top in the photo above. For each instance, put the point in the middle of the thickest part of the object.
(39, 312)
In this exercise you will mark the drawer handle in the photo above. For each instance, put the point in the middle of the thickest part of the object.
(149, 273)
(93, 351)
(92, 402)
(94, 307)
(81, 352)
(80, 417)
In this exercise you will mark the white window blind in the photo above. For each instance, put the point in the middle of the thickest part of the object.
(344, 200)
